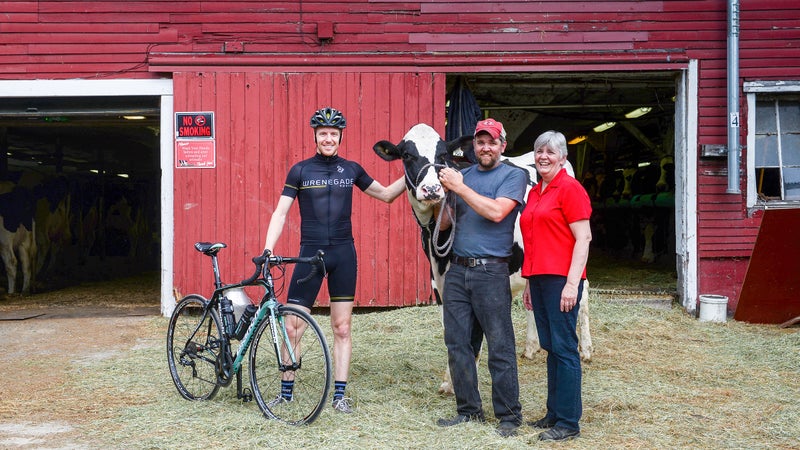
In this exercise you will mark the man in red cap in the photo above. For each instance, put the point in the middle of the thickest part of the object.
(477, 291)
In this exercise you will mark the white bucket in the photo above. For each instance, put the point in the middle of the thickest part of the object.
(239, 299)
(713, 308)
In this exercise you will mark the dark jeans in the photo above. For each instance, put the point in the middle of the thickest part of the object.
(481, 294)
(557, 335)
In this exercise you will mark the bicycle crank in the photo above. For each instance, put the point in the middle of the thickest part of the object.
(224, 366)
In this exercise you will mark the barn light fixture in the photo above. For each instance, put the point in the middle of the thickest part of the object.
(577, 139)
(604, 126)
(638, 112)
(134, 117)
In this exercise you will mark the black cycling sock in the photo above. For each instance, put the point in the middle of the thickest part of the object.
(286, 389)
(338, 389)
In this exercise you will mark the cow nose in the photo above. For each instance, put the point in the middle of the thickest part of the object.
(429, 192)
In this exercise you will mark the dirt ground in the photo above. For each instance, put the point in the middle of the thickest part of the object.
(50, 336)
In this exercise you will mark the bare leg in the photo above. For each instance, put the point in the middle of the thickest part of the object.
(341, 319)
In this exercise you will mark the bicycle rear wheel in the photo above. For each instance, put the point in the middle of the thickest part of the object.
(311, 371)
(193, 342)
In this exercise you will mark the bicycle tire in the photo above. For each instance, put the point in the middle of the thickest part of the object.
(193, 343)
(312, 380)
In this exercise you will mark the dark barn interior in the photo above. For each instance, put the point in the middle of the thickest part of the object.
(92, 164)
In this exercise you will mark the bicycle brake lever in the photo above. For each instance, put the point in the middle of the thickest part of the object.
(315, 262)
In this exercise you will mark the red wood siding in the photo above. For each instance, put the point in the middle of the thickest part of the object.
(68, 39)
(262, 129)
(722, 276)
(717, 237)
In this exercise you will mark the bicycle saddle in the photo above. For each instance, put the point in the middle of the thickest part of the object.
(207, 248)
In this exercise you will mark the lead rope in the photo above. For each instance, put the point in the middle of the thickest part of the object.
(444, 249)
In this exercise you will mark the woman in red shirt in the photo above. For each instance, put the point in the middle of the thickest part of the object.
(556, 235)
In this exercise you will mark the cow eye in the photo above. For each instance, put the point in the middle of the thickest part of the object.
(407, 156)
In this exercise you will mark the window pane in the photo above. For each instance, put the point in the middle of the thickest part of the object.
(790, 146)
(768, 184)
(789, 112)
(766, 151)
(791, 182)
(765, 117)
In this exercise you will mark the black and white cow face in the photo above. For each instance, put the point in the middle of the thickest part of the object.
(424, 153)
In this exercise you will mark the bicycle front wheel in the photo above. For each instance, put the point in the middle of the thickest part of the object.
(193, 343)
(300, 359)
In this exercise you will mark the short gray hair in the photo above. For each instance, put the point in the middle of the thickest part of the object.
(553, 139)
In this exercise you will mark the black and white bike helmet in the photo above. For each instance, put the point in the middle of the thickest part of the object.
(328, 117)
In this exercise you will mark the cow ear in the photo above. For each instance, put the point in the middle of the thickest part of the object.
(386, 150)
(461, 152)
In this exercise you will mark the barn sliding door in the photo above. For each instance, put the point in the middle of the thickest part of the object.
(262, 128)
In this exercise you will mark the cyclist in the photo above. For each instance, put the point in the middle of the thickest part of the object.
(323, 187)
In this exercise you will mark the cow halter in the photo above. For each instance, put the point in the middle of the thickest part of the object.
(415, 182)
(444, 249)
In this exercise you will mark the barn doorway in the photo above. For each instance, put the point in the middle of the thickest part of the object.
(96, 156)
(621, 132)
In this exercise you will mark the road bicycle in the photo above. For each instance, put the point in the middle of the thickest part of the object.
(201, 331)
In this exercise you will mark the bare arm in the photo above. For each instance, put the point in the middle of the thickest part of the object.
(580, 255)
(277, 221)
(386, 194)
(494, 209)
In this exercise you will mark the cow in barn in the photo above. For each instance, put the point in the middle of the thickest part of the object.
(18, 235)
(423, 153)
(53, 232)
(118, 224)
(647, 189)
(86, 217)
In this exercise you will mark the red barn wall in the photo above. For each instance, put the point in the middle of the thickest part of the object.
(201, 40)
(262, 130)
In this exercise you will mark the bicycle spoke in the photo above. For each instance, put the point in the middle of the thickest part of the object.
(302, 358)
(192, 341)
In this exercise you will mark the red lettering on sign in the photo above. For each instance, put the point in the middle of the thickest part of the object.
(194, 131)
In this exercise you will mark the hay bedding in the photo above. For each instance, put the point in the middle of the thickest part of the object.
(659, 379)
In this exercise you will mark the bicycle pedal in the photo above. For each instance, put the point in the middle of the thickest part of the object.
(246, 395)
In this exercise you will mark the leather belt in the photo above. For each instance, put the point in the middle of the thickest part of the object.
(472, 262)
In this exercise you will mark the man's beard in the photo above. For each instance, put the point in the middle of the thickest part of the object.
(492, 162)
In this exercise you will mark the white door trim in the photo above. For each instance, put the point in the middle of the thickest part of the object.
(686, 110)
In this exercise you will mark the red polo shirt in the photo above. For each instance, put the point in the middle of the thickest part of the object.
(544, 223)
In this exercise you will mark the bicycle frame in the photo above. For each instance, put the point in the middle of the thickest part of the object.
(268, 305)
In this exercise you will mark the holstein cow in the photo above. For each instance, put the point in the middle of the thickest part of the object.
(647, 188)
(423, 153)
(53, 233)
(17, 235)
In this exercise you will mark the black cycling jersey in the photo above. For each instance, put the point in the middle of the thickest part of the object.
(323, 187)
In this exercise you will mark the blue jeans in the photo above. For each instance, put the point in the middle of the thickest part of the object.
(481, 296)
(557, 335)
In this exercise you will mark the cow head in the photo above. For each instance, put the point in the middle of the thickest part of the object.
(424, 153)
(666, 179)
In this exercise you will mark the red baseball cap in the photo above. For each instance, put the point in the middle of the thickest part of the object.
(491, 126)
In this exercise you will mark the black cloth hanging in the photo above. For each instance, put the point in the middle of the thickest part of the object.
(463, 113)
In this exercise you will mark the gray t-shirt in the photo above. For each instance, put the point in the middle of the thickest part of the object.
(477, 236)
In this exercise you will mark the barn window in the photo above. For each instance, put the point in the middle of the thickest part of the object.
(774, 138)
